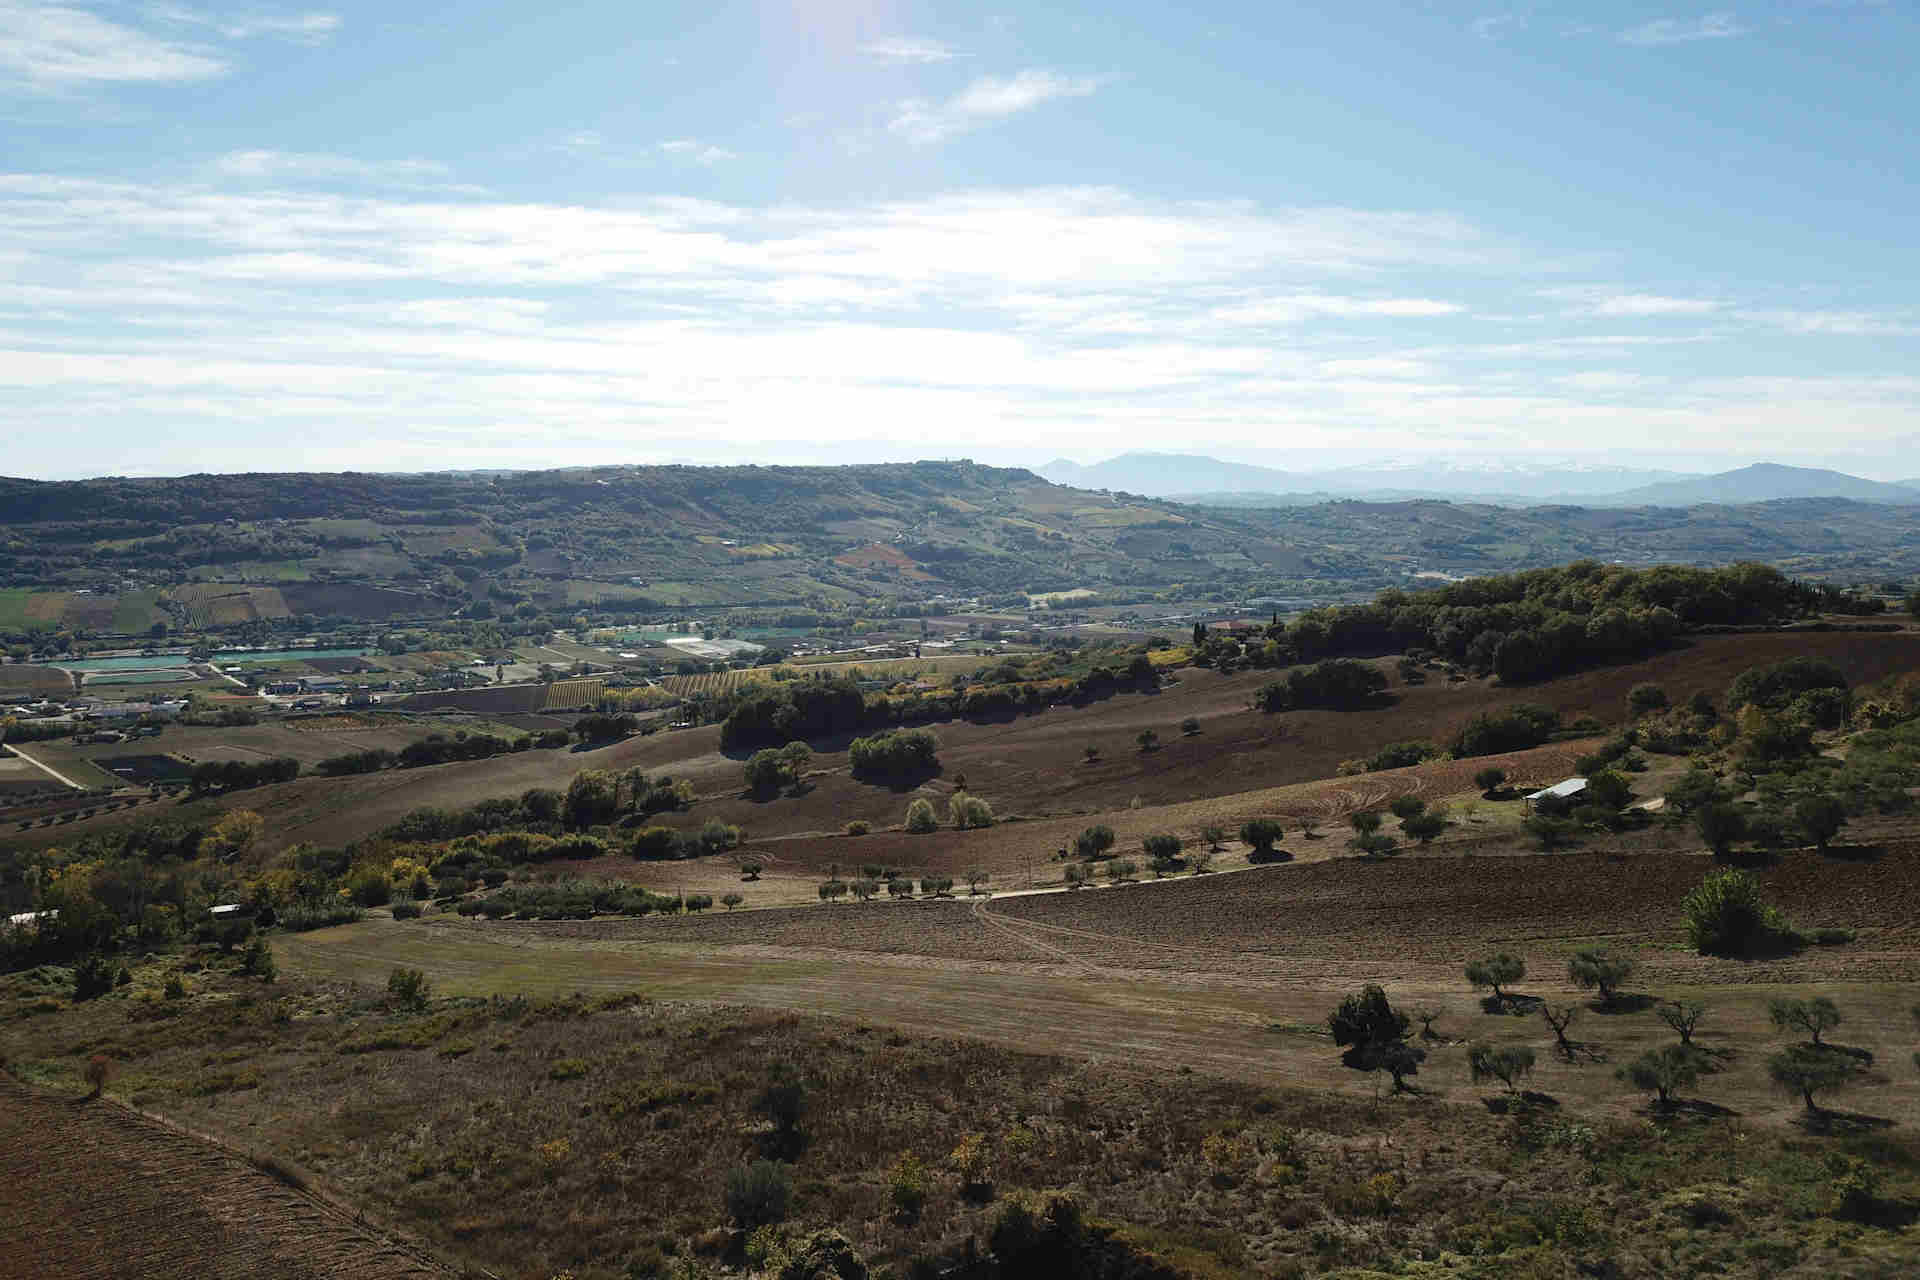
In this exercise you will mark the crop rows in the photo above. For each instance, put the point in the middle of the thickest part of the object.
(573, 693)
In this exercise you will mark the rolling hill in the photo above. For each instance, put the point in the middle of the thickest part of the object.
(1764, 482)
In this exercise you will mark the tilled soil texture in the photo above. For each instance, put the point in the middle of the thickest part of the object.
(91, 1189)
(1419, 918)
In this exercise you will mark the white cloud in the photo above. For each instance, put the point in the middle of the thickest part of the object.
(1295, 308)
(1836, 323)
(986, 101)
(909, 49)
(324, 167)
(1494, 25)
(1712, 26)
(54, 48)
(517, 332)
(1619, 303)
(305, 28)
(698, 152)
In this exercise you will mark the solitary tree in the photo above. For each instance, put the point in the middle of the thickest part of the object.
(1366, 1025)
(1663, 1070)
(1725, 914)
(750, 869)
(1815, 1017)
(920, 819)
(1683, 1018)
(976, 877)
(1260, 833)
(865, 887)
(1508, 1064)
(1802, 1070)
(1490, 780)
(1148, 740)
(1121, 870)
(1163, 853)
(1501, 969)
(1365, 822)
(731, 900)
(1821, 817)
(1408, 806)
(1215, 836)
(1094, 841)
(1596, 967)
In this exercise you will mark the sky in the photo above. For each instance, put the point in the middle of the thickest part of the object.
(489, 233)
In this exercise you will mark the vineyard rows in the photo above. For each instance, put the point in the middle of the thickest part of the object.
(573, 693)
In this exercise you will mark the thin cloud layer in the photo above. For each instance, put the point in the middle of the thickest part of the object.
(988, 100)
(52, 48)
(475, 327)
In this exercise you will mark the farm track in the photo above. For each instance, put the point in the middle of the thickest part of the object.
(96, 1190)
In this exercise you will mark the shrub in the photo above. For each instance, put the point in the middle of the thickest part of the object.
(1490, 780)
(1820, 817)
(896, 753)
(1409, 806)
(969, 812)
(1645, 698)
(1148, 739)
(257, 961)
(370, 890)
(1094, 841)
(1595, 968)
(1374, 845)
(1078, 874)
(1663, 1070)
(698, 902)
(1190, 726)
(1366, 822)
(1214, 836)
(92, 977)
(1551, 832)
(406, 911)
(1424, 827)
(409, 988)
(1121, 870)
(1720, 825)
(1726, 915)
(99, 1070)
(858, 828)
(176, 988)
(920, 818)
(759, 1193)
(1399, 755)
(907, 1185)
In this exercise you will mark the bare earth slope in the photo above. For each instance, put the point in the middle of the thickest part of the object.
(92, 1189)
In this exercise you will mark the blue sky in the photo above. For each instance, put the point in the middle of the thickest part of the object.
(491, 234)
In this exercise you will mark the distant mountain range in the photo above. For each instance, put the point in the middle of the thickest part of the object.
(1210, 481)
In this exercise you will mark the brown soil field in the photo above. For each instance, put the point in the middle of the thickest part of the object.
(30, 678)
(94, 1190)
(220, 604)
(514, 699)
(355, 600)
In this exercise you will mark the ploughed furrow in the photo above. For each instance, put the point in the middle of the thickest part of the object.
(91, 1189)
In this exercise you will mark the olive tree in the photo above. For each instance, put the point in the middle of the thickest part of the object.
(1501, 969)
(1663, 1070)
(1596, 968)
(1815, 1017)
(1508, 1064)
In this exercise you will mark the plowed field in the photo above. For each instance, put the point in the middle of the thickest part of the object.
(92, 1190)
